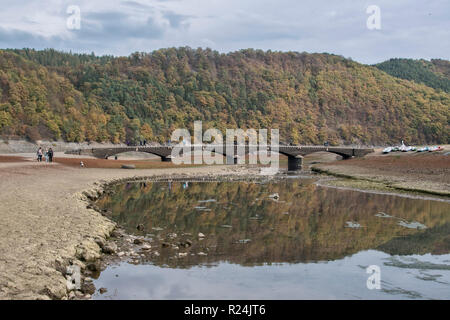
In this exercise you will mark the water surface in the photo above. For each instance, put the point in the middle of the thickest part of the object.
(278, 240)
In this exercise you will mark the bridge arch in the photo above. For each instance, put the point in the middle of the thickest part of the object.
(295, 154)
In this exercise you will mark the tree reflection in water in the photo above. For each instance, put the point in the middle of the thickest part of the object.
(245, 223)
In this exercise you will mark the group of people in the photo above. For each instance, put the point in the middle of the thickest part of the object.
(48, 154)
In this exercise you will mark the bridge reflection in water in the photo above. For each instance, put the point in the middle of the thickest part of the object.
(295, 154)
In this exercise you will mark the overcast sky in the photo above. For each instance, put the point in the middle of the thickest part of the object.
(409, 28)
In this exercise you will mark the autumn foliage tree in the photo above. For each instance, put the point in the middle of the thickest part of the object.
(310, 98)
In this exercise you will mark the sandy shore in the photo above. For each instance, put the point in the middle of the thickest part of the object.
(426, 173)
(45, 225)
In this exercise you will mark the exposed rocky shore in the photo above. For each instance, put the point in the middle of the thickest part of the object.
(48, 224)
(415, 173)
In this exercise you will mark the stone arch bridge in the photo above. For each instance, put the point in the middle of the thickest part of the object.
(295, 154)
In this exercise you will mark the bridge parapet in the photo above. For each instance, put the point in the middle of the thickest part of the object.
(165, 151)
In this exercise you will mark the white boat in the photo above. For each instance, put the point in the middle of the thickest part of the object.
(435, 148)
(387, 150)
(403, 148)
(423, 149)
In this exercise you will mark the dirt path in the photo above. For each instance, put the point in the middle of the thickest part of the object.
(44, 222)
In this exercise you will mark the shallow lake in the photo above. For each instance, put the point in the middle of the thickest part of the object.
(288, 239)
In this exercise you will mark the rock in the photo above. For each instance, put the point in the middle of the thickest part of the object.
(102, 290)
(79, 294)
(88, 287)
(121, 253)
(117, 233)
(182, 254)
(128, 166)
(165, 244)
(146, 247)
(156, 254)
(88, 250)
(71, 295)
(140, 227)
(201, 254)
(101, 242)
(201, 235)
(94, 266)
(137, 241)
(88, 296)
(110, 248)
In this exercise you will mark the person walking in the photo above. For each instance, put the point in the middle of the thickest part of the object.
(50, 155)
(39, 154)
(46, 155)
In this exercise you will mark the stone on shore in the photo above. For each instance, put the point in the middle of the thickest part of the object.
(128, 166)
(110, 248)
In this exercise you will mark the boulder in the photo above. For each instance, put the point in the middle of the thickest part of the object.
(88, 287)
(94, 266)
(110, 248)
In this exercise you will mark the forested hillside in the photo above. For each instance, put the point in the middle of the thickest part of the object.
(434, 73)
(311, 98)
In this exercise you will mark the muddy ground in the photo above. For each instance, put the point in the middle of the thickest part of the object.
(417, 172)
(47, 223)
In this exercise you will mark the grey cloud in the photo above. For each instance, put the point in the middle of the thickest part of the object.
(13, 38)
(410, 28)
(176, 20)
(119, 26)
(135, 4)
